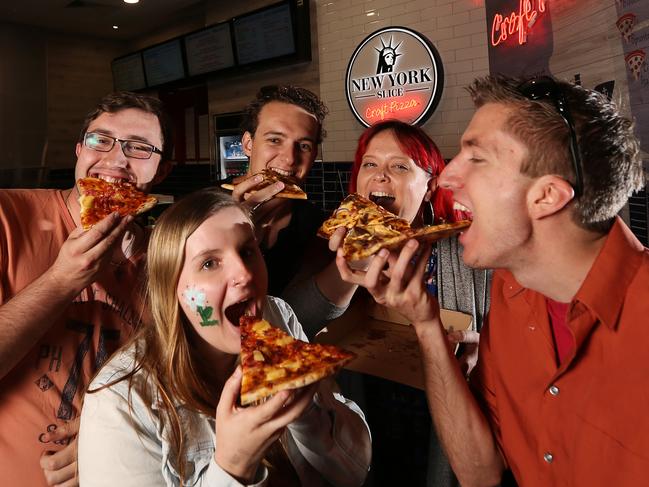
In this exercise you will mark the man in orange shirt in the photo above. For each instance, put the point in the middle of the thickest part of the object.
(560, 390)
(68, 298)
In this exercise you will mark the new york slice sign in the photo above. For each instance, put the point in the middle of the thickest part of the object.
(394, 73)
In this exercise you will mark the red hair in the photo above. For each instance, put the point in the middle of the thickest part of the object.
(417, 145)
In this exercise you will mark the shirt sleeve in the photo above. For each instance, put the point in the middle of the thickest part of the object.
(311, 307)
(334, 437)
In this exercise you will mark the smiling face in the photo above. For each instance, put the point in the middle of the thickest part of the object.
(223, 277)
(485, 177)
(388, 176)
(131, 124)
(285, 140)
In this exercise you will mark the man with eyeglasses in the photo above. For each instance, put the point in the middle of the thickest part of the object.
(559, 393)
(68, 297)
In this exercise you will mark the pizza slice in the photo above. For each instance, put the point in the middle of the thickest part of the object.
(371, 228)
(634, 61)
(625, 25)
(99, 198)
(272, 360)
(291, 188)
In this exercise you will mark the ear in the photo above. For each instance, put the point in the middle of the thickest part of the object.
(432, 187)
(549, 195)
(77, 149)
(246, 142)
(164, 168)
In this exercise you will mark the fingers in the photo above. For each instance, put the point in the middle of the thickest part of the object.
(337, 238)
(108, 235)
(63, 431)
(245, 186)
(60, 467)
(463, 336)
(399, 272)
(230, 392)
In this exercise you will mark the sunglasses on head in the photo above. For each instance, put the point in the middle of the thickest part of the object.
(542, 88)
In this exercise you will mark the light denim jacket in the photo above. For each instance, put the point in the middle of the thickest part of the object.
(329, 445)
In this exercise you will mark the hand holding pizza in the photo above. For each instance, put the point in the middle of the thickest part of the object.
(244, 434)
(85, 253)
(399, 286)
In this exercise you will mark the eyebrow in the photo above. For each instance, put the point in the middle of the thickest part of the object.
(139, 138)
(282, 134)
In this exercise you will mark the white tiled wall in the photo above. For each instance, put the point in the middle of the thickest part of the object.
(457, 28)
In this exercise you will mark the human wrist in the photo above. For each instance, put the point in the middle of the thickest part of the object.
(244, 474)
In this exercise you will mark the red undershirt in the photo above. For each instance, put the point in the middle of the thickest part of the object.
(563, 340)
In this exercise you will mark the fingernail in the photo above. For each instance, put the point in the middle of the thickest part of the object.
(412, 244)
(279, 185)
(259, 178)
(383, 253)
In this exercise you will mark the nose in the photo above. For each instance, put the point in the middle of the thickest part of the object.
(240, 273)
(288, 154)
(450, 176)
(380, 175)
(116, 156)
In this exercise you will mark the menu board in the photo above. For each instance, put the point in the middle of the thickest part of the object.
(128, 73)
(264, 34)
(209, 50)
(163, 63)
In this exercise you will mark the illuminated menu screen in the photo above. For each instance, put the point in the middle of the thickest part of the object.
(128, 73)
(264, 35)
(209, 50)
(163, 63)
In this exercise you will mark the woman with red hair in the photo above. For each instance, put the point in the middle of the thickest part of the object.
(396, 165)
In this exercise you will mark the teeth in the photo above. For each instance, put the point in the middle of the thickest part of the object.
(110, 179)
(283, 172)
(381, 194)
(458, 206)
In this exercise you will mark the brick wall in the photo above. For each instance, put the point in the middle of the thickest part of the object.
(456, 27)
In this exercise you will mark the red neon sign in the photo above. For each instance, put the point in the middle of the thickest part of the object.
(504, 26)
(390, 108)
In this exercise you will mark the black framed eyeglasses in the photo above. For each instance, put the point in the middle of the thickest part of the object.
(131, 148)
(544, 87)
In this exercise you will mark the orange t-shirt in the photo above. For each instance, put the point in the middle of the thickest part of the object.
(583, 422)
(45, 388)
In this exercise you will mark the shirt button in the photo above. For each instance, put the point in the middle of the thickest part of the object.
(554, 390)
(548, 457)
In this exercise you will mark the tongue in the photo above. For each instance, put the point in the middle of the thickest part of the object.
(385, 201)
(236, 311)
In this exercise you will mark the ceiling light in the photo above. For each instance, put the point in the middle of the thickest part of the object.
(115, 26)
(131, 1)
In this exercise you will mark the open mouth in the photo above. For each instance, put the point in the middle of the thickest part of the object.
(111, 179)
(235, 311)
(383, 199)
(283, 172)
(464, 212)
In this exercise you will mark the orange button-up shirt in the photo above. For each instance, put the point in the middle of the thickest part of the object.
(585, 422)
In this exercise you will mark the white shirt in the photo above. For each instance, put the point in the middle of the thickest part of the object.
(126, 446)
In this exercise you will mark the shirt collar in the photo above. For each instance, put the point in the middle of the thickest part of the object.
(605, 287)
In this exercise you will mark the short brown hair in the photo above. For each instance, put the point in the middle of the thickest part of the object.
(292, 95)
(610, 156)
(122, 100)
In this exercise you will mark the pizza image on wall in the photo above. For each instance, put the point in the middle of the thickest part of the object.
(625, 25)
(635, 62)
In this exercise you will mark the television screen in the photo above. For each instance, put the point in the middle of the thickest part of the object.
(128, 72)
(264, 34)
(209, 50)
(163, 63)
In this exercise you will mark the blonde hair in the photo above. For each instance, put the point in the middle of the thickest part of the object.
(165, 355)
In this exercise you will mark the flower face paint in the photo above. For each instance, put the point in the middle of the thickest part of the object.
(223, 277)
(197, 302)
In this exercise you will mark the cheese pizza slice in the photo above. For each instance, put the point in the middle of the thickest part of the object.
(291, 188)
(99, 198)
(625, 25)
(371, 228)
(272, 360)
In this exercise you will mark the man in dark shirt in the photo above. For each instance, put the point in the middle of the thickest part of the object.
(282, 130)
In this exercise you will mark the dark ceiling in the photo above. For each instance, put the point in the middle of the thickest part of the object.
(97, 17)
